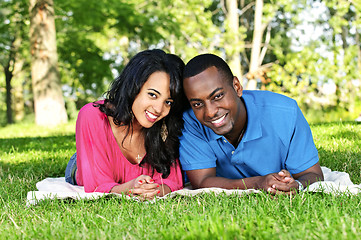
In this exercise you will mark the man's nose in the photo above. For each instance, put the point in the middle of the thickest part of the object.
(211, 111)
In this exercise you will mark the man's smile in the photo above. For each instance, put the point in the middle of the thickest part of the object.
(219, 121)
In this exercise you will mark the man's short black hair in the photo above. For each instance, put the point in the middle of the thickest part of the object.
(204, 61)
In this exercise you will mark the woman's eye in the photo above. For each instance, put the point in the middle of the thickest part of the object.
(169, 103)
(152, 95)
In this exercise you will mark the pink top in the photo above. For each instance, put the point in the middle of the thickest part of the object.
(101, 164)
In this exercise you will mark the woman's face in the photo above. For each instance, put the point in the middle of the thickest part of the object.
(153, 101)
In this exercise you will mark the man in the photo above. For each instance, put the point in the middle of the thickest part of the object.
(239, 139)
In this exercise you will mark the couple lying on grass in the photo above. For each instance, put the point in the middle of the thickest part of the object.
(228, 138)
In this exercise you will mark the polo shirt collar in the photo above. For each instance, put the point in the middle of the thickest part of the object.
(254, 127)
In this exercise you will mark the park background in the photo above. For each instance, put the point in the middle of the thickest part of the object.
(58, 55)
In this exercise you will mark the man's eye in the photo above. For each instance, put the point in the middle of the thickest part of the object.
(196, 105)
(218, 96)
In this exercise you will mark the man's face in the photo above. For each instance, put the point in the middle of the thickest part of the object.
(215, 102)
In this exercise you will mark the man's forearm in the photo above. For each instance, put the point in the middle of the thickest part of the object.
(220, 182)
(309, 178)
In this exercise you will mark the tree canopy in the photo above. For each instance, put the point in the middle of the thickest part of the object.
(309, 49)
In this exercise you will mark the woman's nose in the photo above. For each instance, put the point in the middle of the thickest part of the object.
(158, 107)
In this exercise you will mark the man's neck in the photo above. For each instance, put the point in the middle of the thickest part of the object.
(242, 126)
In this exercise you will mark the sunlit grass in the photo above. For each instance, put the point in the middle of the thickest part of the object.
(339, 147)
(28, 154)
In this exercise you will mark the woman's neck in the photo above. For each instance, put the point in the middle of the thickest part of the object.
(130, 141)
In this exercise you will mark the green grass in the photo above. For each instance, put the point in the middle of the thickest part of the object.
(28, 154)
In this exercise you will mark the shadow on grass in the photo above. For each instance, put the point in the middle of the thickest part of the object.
(28, 144)
(343, 161)
(35, 157)
(335, 123)
(348, 134)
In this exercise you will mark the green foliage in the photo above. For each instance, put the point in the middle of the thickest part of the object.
(13, 25)
(331, 60)
(189, 30)
(95, 39)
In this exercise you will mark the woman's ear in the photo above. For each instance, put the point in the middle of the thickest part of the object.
(237, 86)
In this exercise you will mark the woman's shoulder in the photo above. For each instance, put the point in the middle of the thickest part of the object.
(91, 112)
(91, 107)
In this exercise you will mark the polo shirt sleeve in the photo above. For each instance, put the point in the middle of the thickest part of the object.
(302, 152)
(94, 166)
(194, 150)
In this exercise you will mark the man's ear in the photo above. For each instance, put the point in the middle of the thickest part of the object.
(237, 86)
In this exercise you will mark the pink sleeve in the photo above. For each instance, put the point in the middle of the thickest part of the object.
(94, 165)
(174, 180)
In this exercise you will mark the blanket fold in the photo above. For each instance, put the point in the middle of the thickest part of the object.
(56, 188)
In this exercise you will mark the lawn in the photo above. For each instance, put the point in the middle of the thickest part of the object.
(29, 154)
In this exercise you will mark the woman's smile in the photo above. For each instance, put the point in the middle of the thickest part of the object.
(150, 116)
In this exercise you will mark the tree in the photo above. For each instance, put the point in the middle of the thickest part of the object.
(48, 97)
(233, 45)
(12, 45)
(256, 44)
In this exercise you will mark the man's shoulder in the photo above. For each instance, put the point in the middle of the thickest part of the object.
(274, 111)
(191, 124)
(274, 102)
(190, 118)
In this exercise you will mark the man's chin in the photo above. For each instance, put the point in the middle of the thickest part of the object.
(223, 130)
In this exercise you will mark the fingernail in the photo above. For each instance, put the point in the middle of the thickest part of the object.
(269, 189)
(158, 185)
(140, 181)
(151, 181)
(158, 191)
(128, 195)
(130, 191)
(274, 186)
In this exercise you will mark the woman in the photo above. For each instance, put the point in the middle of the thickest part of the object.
(128, 143)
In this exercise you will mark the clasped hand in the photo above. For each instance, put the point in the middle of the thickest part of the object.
(279, 183)
(144, 187)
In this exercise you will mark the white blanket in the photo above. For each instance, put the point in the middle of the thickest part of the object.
(56, 188)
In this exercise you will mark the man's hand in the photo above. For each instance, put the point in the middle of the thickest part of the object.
(275, 183)
(286, 183)
(280, 183)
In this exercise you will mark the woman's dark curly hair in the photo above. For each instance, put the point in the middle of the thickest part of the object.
(124, 89)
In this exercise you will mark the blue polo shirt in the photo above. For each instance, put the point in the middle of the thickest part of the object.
(277, 137)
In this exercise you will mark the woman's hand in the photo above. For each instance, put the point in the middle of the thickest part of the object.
(145, 187)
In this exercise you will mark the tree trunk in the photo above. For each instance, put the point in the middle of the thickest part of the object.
(358, 44)
(49, 103)
(256, 44)
(344, 37)
(233, 54)
(19, 110)
(9, 110)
